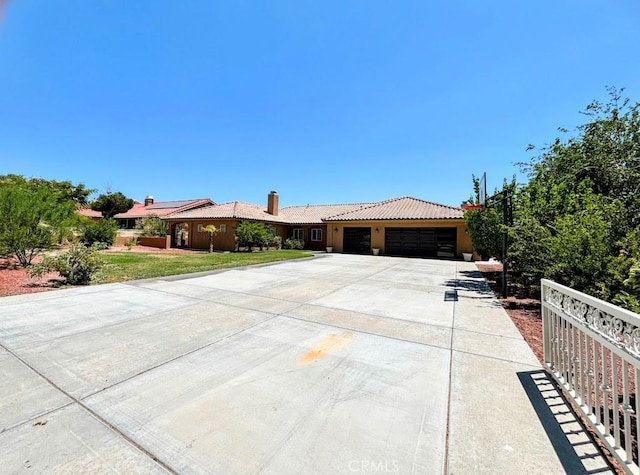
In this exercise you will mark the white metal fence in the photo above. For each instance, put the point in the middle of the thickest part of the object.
(592, 349)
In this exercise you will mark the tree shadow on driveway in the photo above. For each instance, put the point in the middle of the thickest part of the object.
(473, 283)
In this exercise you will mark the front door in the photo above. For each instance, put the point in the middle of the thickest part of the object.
(357, 240)
(181, 235)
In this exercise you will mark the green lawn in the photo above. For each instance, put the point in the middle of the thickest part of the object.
(122, 266)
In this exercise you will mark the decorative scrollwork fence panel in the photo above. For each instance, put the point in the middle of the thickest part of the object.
(592, 349)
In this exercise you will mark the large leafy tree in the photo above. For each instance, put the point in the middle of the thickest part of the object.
(110, 204)
(62, 190)
(577, 219)
(31, 220)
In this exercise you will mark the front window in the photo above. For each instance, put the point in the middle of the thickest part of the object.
(316, 234)
(298, 234)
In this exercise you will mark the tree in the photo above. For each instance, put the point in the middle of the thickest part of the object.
(577, 219)
(30, 220)
(63, 190)
(211, 229)
(110, 204)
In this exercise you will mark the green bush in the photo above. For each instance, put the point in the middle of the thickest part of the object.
(102, 231)
(131, 242)
(293, 244)
(77, 265)
(485, 230)
(528, 255)
(152, 226)
(252, 234)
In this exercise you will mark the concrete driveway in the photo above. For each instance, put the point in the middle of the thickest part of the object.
(337, 364)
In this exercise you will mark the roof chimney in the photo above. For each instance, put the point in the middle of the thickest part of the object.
(272, 203)
(148, 200)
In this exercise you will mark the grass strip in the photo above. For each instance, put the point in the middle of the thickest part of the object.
(123, 266)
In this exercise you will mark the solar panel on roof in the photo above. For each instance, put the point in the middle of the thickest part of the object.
(170, 204)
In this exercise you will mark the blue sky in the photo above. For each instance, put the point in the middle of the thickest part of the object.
(326, 102)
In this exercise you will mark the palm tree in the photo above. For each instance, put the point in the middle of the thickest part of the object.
(211, 229)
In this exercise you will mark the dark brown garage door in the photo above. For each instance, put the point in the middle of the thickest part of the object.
(420, 242)
(357, 240)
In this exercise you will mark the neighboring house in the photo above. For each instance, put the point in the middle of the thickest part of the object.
(150, 207)
(400, 226)
(89, 213)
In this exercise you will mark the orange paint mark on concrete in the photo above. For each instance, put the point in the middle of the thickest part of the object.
(329, 344)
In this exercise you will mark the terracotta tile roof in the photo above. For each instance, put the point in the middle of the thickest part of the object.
(163, 208)
(396, 208)
(160, 208)
(399, 208)
(314, 214)
(89, 212)
(231, 210)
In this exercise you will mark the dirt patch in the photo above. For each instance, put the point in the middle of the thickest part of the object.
(14, 279)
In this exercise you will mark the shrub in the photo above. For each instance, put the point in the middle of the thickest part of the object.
(485, 229)
(131, 243)
(528, 254)
(252, 234)
(152, 225)
(293, 244)
(102, 231)
(76, 265)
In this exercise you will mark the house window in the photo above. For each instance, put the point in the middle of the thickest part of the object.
(298, 234)
(200, 228)
(316, 234)
(222, 228)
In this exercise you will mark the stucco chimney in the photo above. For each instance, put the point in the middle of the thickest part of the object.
(272, 203)
(148, 200)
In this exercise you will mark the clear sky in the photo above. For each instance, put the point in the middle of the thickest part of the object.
(323, 101)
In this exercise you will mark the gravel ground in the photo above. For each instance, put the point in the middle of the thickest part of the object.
(14, 280)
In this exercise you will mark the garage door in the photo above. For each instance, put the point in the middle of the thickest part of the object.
(420, 242)
(357, 240)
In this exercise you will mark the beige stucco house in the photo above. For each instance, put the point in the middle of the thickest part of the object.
(399, 226)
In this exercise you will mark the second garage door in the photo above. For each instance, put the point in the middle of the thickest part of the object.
(420, 242)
